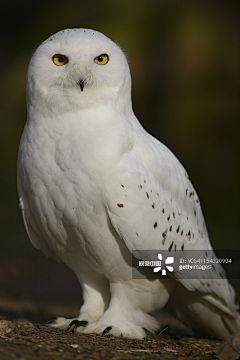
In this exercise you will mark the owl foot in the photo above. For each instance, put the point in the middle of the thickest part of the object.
(65, 324)
(59, 323)
(109, 328)
(72, 324)
(50, 321)
(133, 332)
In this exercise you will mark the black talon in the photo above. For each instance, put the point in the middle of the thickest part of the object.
(146, 331)
(80, 323)
(73, 322)
(105, 331)
(50, 321)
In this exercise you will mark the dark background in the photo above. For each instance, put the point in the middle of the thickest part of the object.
(184, 58)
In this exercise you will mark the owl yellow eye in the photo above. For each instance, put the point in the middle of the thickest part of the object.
(59, 59)
(102, 59)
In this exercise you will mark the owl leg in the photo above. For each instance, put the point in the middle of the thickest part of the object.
(127, 314)
(95, 289)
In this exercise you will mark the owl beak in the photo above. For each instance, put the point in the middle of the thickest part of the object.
(81, 84)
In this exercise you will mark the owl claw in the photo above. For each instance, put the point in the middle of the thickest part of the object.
(76, 324)
(106, 330)
(80, 323)
(50, 321)
(146, 331)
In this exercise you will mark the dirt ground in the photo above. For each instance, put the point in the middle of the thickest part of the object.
(30, 341)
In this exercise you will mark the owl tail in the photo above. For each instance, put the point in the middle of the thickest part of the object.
(204, 314)
(232, 323)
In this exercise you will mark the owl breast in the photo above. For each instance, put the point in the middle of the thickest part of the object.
(62, 188)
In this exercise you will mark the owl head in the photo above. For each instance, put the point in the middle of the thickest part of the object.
(78, 69)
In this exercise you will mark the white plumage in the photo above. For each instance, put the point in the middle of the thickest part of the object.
(94, 185)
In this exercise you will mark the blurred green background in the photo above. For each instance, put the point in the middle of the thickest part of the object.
(184, 58)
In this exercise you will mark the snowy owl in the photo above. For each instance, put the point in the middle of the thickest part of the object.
(94, 186)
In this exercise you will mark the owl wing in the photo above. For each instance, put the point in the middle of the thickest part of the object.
(153, 206)
(30, 223)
